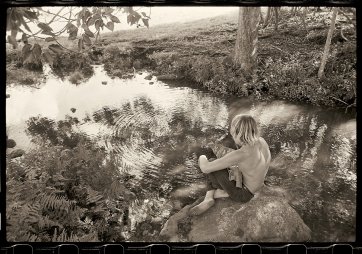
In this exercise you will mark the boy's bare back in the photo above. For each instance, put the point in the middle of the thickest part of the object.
(256, 165)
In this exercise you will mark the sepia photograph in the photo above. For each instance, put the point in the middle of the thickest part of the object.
(181, 124)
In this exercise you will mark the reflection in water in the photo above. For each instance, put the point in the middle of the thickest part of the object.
(152, 130)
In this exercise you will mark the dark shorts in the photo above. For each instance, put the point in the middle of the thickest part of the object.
(220, 180)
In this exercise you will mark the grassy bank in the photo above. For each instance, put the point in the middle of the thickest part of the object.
(201, 52)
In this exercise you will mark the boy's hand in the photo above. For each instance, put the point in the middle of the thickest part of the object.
(202, 162)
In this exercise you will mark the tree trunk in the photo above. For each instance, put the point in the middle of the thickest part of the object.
(267, 18)
(328, 43)
(304, 15)
(261, 16)
(276, 16)
(247, 38)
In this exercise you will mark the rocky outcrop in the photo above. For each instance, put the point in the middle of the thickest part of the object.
(149, 77)
(170, 230)
(266, 218)
(10, 143)
(16, 153)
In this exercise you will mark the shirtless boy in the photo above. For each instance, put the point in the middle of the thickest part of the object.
(240, 173)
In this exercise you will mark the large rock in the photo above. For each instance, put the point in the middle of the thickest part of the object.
(16, 153)
(266, 218)
(10, 143)
(170, 230)
(148, 77)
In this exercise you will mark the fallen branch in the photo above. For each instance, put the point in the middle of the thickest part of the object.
(265, 36)
(280, 50)
(339, 100)
(353, 104)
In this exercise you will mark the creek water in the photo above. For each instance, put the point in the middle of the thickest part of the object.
(151, 127)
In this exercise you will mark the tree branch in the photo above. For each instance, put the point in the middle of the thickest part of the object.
(49, 21)
(57, 15)
(339, 100)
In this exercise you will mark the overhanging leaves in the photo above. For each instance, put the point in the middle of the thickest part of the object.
(47, 32)
(108, 10)
(48, 39)
(26, 50)
(145, 21)
(55, 48)
(24, 38)
(114, 19)
(89, 33)
(86, 39)
(80, 44)
(30, 15)
(48, 58)
(133, 17)
(98, 24)
(110, 26)
(45, 27)
(37, 50)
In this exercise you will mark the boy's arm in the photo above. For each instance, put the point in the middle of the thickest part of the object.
(226, 161)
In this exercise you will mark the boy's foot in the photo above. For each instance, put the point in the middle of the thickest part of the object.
(220, 194)
(202, 207)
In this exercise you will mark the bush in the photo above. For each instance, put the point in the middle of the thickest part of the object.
(76, 77)
(117, 59)
(65, 64)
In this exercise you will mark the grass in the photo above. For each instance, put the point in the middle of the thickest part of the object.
(201, 51)
(22, 76)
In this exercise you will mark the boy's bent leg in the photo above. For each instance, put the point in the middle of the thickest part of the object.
(235, 193)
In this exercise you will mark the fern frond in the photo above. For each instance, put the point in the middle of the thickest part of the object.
(29, 237)
(32, 173)
(93, 196)
(115, 190)
(64, 237)
(18, 190)
(91, 237)
(46, 222)
(56, 202)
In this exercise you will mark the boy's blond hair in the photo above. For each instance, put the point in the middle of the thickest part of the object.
(244, 130)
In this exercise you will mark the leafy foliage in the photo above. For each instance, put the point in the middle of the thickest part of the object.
(59, 194)
(78, 26)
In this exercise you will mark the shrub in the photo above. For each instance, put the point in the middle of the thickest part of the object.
(117, 59)
(64, 64)
(76, 77)
(22, 76)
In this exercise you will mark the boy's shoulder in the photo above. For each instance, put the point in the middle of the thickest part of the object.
(262, 141)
